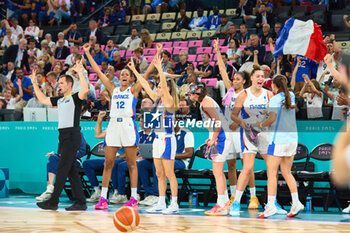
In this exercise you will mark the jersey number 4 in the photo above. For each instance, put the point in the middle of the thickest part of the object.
(120, 104)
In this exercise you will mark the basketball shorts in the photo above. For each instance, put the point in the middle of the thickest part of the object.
(282, 150)
(235, 150)
(121, 132)
(164, 147)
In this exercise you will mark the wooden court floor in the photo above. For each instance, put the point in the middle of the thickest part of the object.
(36, 220)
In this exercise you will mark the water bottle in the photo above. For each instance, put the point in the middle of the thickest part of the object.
(190, 203)
(33, 117)
(308, 203)
(195, 199)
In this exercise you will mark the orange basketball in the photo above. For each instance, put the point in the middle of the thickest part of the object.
(126, 219)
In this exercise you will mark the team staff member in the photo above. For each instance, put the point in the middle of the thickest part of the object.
(69, 109)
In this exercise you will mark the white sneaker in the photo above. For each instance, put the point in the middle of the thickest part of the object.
(95, 197)
(118, 199)
(346, 210)
(158, 209)
(270, 209)
(280, 211)
(149, 200)
(44, 196)
(172, 209)
(295, 209)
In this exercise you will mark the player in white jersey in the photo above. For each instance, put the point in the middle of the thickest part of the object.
(240, 81)
(164, 145)
(253, 104)
(283, 142)
(121, 130)
(218, 141)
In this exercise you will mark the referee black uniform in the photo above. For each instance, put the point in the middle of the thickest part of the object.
(69, 110)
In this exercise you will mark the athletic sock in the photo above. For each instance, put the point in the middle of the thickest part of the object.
(238, 196)
(161, 201)
(295, 198)
(173, 199)
(134, 192)
(222, 200)
(97, 188)
(104, 192)
(233, 189)
(252, 192)
(271, 199)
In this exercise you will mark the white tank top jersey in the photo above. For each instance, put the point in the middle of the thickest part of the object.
(254, 107)
(228, 109)
(123, 103)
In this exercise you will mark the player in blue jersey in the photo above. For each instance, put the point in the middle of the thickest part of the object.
(164, 145)
(283, 142)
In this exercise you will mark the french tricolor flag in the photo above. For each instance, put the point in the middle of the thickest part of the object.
(302, 38)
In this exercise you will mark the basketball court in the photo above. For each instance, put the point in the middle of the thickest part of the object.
(20, 214)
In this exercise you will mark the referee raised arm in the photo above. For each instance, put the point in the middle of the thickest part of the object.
(69, 109)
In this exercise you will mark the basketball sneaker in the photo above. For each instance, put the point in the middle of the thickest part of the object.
(294, 211)
(232, 199)
(280, 211)
(44, 196)
(149, 200)
(270, 209)
(102, 204)
(119, 199)
(235, 208)
(346, 210)
(173, 208)
(94, 197)
(131, 203)
(253, 203)
(158, 209)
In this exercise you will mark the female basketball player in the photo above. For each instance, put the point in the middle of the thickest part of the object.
(121, 130)
(253, 102)
(240, 81)
(283, 142)
(218, 137)
(164, 145)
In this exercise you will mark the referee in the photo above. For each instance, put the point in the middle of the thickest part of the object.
(69, 109)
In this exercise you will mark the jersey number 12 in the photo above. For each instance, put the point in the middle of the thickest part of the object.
(120, 104)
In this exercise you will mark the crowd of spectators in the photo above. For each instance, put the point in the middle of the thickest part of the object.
(24, 50)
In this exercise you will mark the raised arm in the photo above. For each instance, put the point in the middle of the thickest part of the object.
(151, 66)
(312, 86)
(294, 74)
(39, 94)
(108, 84)
(256, 60)
(169, 101)
(84, 91)
(335, 73)
(98, 128)
(222, 67)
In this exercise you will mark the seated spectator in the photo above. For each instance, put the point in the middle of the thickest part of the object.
(234, 53)
(17, 30)
(32, 31)
(182, 23)
(99, 55)
(243, 34)
(110, 49)
(9, 39)
(104, 67)
(189, 69)
(131, 42)
(140, 60)
(313, 96)
(200, 22)
(48, 13)
(73, 35)
(204, 70)
(102, 104)
(265, 35)
(60, 36)
(10, 72)
(12, 101)
(233, 34)
(32, 62)
(91, 166)
(214, 20)
(224, 28)
(70, 59)
(51, 84)
(133, 4)
(49, 41)
(33, 50)
(52, 165)
(62, 12)
(61, 51)
(275, 33)
(118, 61)
(254, 39)
(184, 111)
(245, 10)
(181, 66)
(3, 27)
(34, 103)
(24, 10)
(166, 63)
(118, 15)
(94, 31)
(105, 19)
(146, 40)
(78, 7)
(263, 17)
(27, 87)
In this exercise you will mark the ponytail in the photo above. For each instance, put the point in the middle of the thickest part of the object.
(173, 92)
(281, 83)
